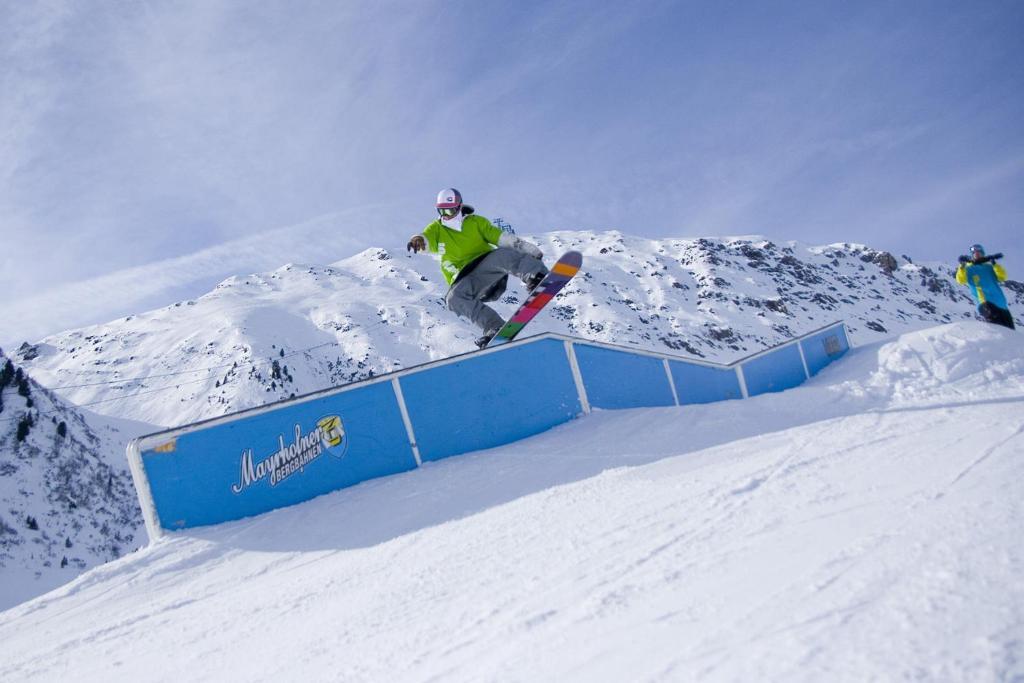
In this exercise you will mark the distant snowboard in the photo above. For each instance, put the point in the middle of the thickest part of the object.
(559, 275)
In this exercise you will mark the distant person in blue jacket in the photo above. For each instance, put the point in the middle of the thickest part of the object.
(982, 276)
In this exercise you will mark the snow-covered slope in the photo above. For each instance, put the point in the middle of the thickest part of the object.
(66, 498)
(865, 526)
(260, 338)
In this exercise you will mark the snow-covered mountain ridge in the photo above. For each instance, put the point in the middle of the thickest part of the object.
(67, 502)
(260, 338)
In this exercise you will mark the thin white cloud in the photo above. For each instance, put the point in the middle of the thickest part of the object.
(27, 32)
(128, 290)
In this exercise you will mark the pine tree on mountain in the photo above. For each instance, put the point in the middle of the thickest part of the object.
(6, 374)
(24, 425)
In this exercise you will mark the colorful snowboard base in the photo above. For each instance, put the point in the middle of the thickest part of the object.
(559, 275)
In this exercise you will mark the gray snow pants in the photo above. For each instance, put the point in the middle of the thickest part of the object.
(486, 282)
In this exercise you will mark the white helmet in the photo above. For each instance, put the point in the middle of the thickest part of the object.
(449, 202)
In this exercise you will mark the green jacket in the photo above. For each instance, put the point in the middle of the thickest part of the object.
(460, 247)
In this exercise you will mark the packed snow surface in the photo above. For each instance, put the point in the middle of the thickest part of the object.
(865, 526)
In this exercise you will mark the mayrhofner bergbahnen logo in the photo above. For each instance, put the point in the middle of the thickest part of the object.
(328, 436)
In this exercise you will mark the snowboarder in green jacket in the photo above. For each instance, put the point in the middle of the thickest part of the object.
(476, 260)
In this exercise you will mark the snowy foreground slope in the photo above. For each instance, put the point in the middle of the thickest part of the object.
(866, 526)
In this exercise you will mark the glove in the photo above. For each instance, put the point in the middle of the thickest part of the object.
(513, 242)
(963, 259)
(417, 243)
(531, 249)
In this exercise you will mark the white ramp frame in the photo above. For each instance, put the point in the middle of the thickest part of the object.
(405, 419)
(581, 390)
(144, 492)
(671, 382)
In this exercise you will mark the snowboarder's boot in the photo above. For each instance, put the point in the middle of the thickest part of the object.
(532, 281)
(484, 340)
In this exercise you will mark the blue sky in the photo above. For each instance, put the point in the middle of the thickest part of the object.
(152, 149)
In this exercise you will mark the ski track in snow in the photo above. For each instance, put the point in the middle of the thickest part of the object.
(866, 526)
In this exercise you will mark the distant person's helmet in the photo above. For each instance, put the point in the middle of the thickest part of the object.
(449, 202)
(977, 251)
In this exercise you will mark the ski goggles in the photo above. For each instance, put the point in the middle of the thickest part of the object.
(448, 211)
(977, 249)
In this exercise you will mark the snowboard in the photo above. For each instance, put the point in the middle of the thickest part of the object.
(559, 275)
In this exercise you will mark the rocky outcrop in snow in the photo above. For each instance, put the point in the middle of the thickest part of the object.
(66, 498)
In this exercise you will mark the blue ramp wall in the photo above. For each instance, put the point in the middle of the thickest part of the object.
(777, 370)
(491, 400)
(219, 473)
(289, 452)
(621, 379)
(704, 384)
(821, 348)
